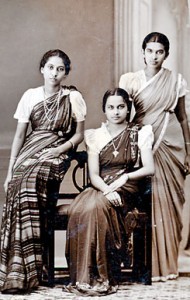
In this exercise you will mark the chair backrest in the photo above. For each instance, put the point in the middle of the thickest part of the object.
(81, 165)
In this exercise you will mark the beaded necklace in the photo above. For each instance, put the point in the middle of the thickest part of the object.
(54, 106)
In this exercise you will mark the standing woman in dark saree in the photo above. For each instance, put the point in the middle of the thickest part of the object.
(158, 95)
(56, 114)
(119, 154)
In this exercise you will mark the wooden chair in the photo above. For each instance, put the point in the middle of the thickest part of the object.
(138, 265)
(57, 216)
(139, 224)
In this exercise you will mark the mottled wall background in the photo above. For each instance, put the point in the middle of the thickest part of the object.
(28, 28)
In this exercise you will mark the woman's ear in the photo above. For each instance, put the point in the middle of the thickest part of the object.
(42, 70)
(143, 54)
(166, 55)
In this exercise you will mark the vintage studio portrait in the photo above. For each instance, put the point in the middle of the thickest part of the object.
(94, 149)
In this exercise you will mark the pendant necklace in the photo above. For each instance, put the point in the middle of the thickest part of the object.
(116, 152)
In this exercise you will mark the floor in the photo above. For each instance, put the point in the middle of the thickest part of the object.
(173, 289)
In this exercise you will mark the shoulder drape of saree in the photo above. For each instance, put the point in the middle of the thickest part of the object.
(45, 132)
(166, 120)
(155, 100)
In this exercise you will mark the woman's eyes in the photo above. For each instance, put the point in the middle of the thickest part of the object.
(59, 69)
(157, 52)
(119, 107)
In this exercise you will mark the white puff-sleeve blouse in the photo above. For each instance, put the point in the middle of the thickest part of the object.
(96, 139)
(133, 81)
(35, 95)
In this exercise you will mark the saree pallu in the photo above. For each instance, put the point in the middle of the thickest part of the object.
(21, 239)
(96, 230)
(155, 105)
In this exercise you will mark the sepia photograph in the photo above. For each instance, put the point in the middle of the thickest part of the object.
(94, 149)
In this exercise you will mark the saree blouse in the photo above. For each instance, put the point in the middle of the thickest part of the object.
(96, 139)
(133, 82)
(35, 95)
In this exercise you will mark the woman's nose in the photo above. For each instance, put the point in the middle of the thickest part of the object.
(154, 55)
(54, 72)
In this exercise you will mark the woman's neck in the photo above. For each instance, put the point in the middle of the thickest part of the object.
(151, 72)
(115, 129)
(50, 90)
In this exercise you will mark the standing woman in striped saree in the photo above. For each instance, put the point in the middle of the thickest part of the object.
(56, 114)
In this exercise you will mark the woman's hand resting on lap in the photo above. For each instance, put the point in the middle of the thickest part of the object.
(114, 198)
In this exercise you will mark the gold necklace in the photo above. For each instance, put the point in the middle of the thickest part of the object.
(116, 152)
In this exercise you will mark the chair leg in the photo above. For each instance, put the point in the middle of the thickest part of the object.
(142, 250)
(51, 253)
(139, 238)
(53, 194)
(149, 246)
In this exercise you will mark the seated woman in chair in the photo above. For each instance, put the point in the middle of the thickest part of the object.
(119, 154)
(56, 114)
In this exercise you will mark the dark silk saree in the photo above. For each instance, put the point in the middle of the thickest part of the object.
(96, 230)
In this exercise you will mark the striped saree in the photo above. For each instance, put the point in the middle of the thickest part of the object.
(155, 104)
(21, 240)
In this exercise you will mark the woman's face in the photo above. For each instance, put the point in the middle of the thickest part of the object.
(53, 71)
(154, 54)
(116, 110)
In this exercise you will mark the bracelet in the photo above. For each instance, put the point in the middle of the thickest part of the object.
(72, 144)
(187, 143)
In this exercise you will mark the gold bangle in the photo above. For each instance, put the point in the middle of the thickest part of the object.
(72, 144)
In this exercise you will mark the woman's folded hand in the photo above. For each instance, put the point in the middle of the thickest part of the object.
(116, 184)
(114, 198)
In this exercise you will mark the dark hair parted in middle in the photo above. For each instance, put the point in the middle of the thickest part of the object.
(59, 53)
(157, 37)
(117, 92)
